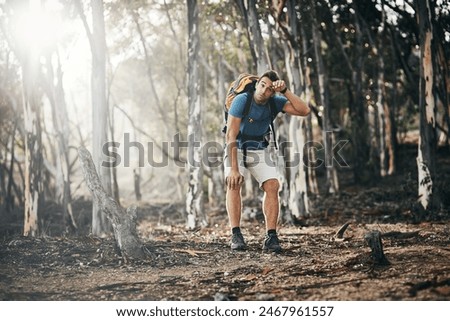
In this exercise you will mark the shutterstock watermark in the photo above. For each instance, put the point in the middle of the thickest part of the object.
(211, 153)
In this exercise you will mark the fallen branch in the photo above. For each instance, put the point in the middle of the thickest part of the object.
(426, 285)
(340, 234)
(123, 223)
(191, 252)
(401, 235)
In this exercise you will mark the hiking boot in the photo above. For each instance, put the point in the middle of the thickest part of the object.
(237, 242)
(271, 243)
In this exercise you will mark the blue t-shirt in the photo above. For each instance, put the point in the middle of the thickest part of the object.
(257, 122)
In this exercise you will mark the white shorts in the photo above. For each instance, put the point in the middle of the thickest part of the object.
(260, 164)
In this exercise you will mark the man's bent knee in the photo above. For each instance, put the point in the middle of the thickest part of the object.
(271, 186)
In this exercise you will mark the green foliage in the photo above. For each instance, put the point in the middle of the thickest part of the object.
(147, 56)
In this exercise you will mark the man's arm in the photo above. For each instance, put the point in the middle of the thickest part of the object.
(295, 105)
(235, 179)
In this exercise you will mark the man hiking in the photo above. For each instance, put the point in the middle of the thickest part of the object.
(246, 150)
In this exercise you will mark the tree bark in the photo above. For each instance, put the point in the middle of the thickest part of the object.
(60, 123)
(382, 141)
(298, 189)
(382, 118)
(123, 223)
(137, 184)
(358, 111)
(310, 153)
(33, 139)
(256, 41)
(373, 240)
(99, 108)
(194, 198)
(427, 142)
(33, 165)
(298, 193)
(99, 104)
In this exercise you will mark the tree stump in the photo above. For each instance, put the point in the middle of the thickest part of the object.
(123, 223)
(373, 240)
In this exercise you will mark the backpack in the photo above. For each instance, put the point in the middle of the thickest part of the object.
(246, 83)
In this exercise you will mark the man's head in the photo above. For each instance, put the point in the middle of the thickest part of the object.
(271, 74)
(264, 88)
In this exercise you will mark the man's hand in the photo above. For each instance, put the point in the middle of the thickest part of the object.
(278, 85)
(234, 180)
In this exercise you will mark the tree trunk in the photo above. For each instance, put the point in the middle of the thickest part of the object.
(33, 161)
(322, 98)
(12, 185)
(137, 184)
(216, 187)
(373, 240)
(194, 198)
(60, 123)
(296, 174)
(298, 193)
(383, 126)
(358, 114)
(389, 136)
(392, 129)
(100, 111)
(33, 140)
(115, 191)
(382, 118)
(154, 93)
(313, 186)
(427, 142)
(256, 41)
(123, 223)
(443, 86)
(216, 191)
(8, 185)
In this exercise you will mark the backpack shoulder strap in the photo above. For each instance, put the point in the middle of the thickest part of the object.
(248, 103)
(273, 114)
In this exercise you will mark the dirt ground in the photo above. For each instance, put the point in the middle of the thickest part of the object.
(199, 265)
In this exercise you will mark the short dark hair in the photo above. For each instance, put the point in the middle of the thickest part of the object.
(271, 74)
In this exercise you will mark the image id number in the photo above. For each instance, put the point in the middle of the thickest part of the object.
(302, 311)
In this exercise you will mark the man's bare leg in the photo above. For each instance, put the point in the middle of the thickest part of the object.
(271, 209)
(234, 210)
(271, 205)
(234, 206)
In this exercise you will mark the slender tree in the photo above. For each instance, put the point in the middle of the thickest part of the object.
(427, 143)
(194, 198)
(33, 148)
(33, 192)
(55, 93)
(257, 45)
(97, 42)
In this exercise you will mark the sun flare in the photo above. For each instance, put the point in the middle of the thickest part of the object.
(39, 25)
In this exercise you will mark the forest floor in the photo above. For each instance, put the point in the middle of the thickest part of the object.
(198, 265)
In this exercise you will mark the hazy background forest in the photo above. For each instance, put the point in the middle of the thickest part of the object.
(145, 77)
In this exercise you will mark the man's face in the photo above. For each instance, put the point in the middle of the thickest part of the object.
(264, 90)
